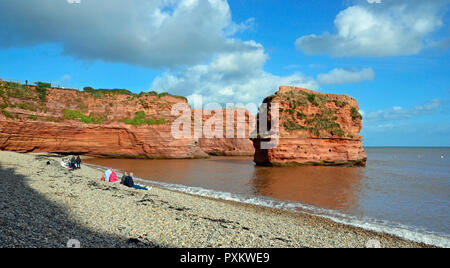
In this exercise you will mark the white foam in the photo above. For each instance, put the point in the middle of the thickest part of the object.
(406, 232)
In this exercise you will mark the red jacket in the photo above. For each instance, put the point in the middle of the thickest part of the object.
(113, 177)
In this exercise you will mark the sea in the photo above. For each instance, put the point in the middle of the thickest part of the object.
(402, 191)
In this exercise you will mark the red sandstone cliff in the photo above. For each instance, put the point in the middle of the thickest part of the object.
(315, 128)
(97, 124)
(236, 140)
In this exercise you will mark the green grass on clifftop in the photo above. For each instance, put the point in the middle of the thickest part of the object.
(74, 115)
(140, 119)
(99, 93)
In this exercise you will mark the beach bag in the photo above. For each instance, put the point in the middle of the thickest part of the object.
(103, 178)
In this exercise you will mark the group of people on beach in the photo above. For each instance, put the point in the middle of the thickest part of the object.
(71, 163)
(127, 179)
(74, 163)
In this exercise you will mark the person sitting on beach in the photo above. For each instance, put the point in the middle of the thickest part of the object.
(113, 176)
(63, 163)
(130, 183)
(108, 173)
(125, 175)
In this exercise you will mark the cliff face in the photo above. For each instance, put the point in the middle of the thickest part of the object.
(233, 142)
(315, 129)
(95, 123)
(111, 140)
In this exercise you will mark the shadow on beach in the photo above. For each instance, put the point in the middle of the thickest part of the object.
(28, 219)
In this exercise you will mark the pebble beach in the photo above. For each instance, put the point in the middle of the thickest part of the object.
(46, 206)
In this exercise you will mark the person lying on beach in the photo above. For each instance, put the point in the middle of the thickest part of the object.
(130, 183)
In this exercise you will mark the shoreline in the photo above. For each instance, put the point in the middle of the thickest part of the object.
(101, 214)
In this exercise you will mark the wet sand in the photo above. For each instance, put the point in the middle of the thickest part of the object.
(46, 205)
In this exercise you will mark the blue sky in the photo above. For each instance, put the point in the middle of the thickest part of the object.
(393, 56)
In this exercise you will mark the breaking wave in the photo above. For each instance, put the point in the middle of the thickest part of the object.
(406, 232)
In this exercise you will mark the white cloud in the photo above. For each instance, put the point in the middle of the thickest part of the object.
(155, 34)
(390, 28)
(343, 76)
(234, 28)
(236, 77)
(399, 113)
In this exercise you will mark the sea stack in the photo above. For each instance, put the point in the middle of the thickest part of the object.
(314, 129)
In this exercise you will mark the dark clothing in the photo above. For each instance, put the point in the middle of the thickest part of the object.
(128, 181)
(78, 162)
(139, 187)
(72, 163)
(122, 180)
